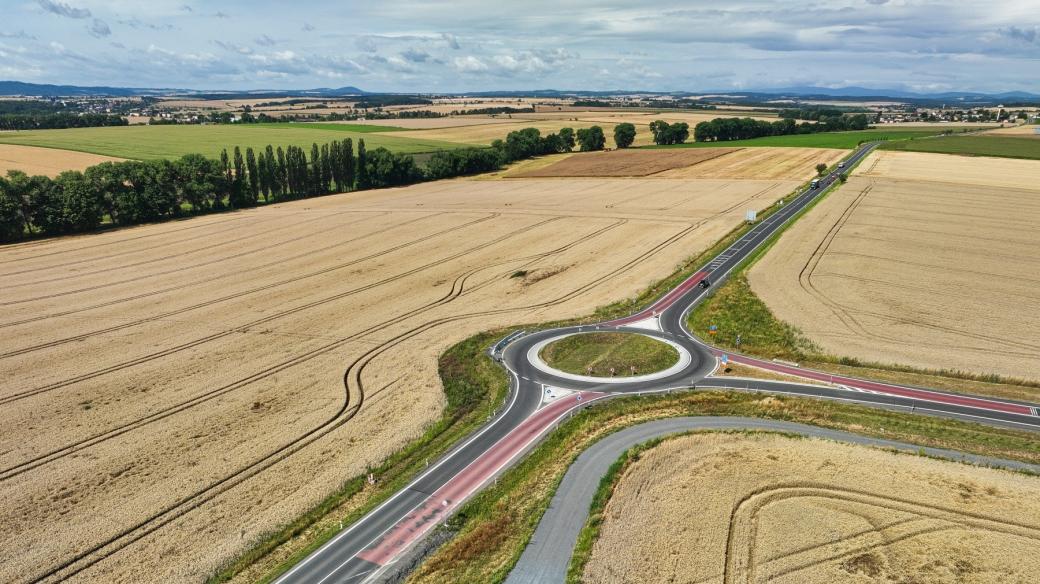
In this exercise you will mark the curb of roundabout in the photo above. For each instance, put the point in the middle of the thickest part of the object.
(535, 359)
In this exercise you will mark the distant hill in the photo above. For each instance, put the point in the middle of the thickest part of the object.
(13, 88)
(759, 95)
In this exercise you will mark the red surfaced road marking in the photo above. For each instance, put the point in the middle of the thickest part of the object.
(920, 394)
(445, 499)
(665, 301)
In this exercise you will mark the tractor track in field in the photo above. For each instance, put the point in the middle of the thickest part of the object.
(73, 275)
(205, 281)
(32, 244)
(133, 251)
(236, 295)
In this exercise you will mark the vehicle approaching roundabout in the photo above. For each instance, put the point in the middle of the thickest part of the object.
(541, 396)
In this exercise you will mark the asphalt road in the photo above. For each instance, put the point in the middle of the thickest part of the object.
(549, 552)
(363, 551)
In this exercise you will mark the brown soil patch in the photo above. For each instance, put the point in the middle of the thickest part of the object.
(622, 163)
(918, 272)
(785, 163)
(176, 362)
(766, 508)
(47, 161)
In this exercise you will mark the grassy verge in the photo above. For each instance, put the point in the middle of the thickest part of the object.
(1002, 146)
(600, 354)
(473, 385)
(495, 526)
(846, 140)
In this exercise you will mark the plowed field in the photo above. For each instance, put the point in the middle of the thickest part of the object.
(627, 162)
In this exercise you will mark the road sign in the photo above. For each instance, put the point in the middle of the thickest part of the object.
(737, 342)
(751, 216)
(725, 359)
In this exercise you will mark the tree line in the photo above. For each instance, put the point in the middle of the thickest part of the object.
(57, 121)
(722, 129)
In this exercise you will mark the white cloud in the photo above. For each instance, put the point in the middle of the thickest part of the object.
(469, 64)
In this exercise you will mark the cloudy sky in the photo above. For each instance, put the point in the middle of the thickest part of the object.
(464, 45)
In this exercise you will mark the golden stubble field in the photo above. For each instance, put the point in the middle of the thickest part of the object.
(920, 259)
(171, 392)
(766, 508)
(47, 161)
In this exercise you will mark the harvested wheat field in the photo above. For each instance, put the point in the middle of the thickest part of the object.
(920, 259)
(171, 392)
(1020, 130)
(762, 163)
(627, 162)
(33, 160)
(948, 168)
(766, 508)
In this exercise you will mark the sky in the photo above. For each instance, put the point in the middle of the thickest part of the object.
(465, 45)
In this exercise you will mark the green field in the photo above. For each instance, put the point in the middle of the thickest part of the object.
(843, 140)
(1008, 147)
(150, 142)
(602, 352)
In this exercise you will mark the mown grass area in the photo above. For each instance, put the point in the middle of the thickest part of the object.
(598, 354)
(844, 140)
(495, 526)
(1002, 146)
(152, 142)
(474, 386)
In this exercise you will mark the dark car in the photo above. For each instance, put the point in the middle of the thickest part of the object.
(704, 283)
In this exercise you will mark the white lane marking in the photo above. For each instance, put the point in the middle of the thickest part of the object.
(1036, 411)
(443, 460)
(653, 323)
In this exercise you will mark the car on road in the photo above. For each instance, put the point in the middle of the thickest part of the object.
(704, 283)
(815, 184)
(841, 165)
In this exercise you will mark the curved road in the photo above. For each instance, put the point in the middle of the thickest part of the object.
(548, 554)
(539, 399)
